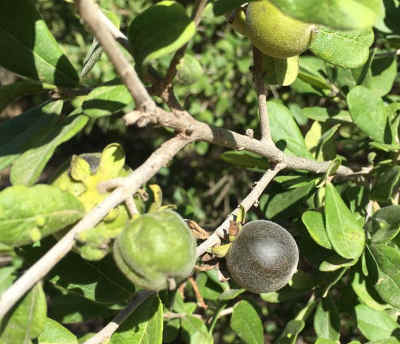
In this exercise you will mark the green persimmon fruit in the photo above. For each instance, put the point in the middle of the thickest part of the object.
(154, 248)
(263, 258)
(274, 33)
(189, 70)
(281, 72)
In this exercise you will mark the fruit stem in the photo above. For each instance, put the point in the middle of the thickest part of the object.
(258, 72)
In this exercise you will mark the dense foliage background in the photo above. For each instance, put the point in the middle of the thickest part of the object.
(334, 297)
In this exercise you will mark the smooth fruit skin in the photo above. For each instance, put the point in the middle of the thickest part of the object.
(274, 33)
(155, 247)
(263, 257)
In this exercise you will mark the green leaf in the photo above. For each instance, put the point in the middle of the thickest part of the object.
(245, 159)
(27, 130)
(207, 287)
(302, 280)
(373, 324)
(192, 325)
(171, 330)
(180, 306)
(106, 100)
(348, 49)
(335, 262)
(313, 136)
(368, 113)
(27, 169)
(55, 333)
(314, 222)
(284, 200)
(313, 80)
(223, 6)
(326, 149)
(386, 184)
(291, 331)
(10, 93)
(28, 214)
(384, 225)
(70, 308)
(28, 48)
(380, 74)
(285, 132)
(313, 71)
(246, 323)
(93, 280)
(112, 161)
(160, 30)
(322, 114)
(327, 320)
(388, 284)
(201, 338)
(144, 326)
(283, 295)
(343, 228)
(342, 15)
(390, 340)
(230, 294)
(386, 147)
(325, 341)
(329, 280)
(26, 320)
(9, 273)
(94, 53)
(6, 277)
(360, 287)
(392, 15)
(281, 72)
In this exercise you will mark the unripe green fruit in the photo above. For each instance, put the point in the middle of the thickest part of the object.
(274, 33)
(154, 248)
(189, 70)
(263, 257)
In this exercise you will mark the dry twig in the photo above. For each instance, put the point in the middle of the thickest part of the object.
(247, 203)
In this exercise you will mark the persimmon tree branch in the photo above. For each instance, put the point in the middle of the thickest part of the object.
(199, 131)
(127, 187)
(100, 28)
(182, 120)
(190, 130)
(107, 331)
(115, 32)
(247, 203)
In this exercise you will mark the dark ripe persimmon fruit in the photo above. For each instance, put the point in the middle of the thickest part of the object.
(263, 258)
